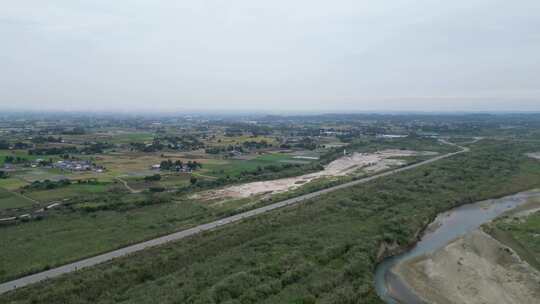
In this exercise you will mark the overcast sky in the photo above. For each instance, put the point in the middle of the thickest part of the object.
(279, 55)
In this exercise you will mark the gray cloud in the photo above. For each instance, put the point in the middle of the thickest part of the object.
(286, 55)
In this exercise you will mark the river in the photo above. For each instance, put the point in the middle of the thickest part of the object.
(446, 227)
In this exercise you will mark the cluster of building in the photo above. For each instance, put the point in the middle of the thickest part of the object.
(77, 165)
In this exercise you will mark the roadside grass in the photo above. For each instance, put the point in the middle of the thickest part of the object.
(322, 251)
(58, 238)
(10, 200)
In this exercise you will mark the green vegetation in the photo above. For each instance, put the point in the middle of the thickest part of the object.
(322, 251)
(14, 155)
(11, 183)
(48, 184)
(9, 200)
(236, 167)
(67, 191)
(521, 234)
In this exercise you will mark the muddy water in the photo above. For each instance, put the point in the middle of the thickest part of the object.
(446, 227)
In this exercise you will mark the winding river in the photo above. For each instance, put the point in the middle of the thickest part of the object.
(446, 227)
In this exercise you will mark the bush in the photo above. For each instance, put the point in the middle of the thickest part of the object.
(150, 178)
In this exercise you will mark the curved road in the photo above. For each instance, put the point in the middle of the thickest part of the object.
(55, 272)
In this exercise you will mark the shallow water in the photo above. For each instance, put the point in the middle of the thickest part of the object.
(447, 226)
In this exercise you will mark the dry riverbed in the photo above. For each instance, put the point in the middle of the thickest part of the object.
(475, 268)
(368, 162)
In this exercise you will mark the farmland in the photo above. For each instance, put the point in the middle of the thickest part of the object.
(116, 218)
(9, 200)
(91, 190)
(292, 253)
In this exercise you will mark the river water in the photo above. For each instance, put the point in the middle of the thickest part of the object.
(446, 227)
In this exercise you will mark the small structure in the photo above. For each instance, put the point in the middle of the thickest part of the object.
(74, 165)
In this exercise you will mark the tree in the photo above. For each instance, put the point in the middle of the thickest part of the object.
(155, 177)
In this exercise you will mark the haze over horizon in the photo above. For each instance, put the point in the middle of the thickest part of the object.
(313, 56)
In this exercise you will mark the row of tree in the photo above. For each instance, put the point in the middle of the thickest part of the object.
(178, 165)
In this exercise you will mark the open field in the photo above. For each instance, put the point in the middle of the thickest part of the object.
(234, 167)
(15, 153)
(12, 183)
(67, 192)
(234, 140)
(323, 251)
(113, 136)
(10, 200)
(168, 181)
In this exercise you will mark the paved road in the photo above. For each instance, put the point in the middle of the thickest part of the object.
(34, 278)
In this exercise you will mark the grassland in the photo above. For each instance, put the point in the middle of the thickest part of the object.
(521, 233)
(115, 136)
(74, 190)
(9, 200)
(168, 181)
(323, 251)
(234, 140)
(16, 153)
(234, 167)
(12, 183)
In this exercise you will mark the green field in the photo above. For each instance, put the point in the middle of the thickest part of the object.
(168, 181)
(234, 167)
(10, 200)
(323, 251)
(73, 190)
(126, 138)
(12, 183)
(16, 153)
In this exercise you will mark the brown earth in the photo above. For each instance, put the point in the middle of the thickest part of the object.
(369, 162)
(473, 269)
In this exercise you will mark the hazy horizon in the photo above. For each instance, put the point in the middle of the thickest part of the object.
(279, 57)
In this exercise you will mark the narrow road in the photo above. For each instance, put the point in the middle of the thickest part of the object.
(128, 187)
(55, 272)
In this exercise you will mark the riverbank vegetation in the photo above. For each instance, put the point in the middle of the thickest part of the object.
(322, 251)
(521, 233)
